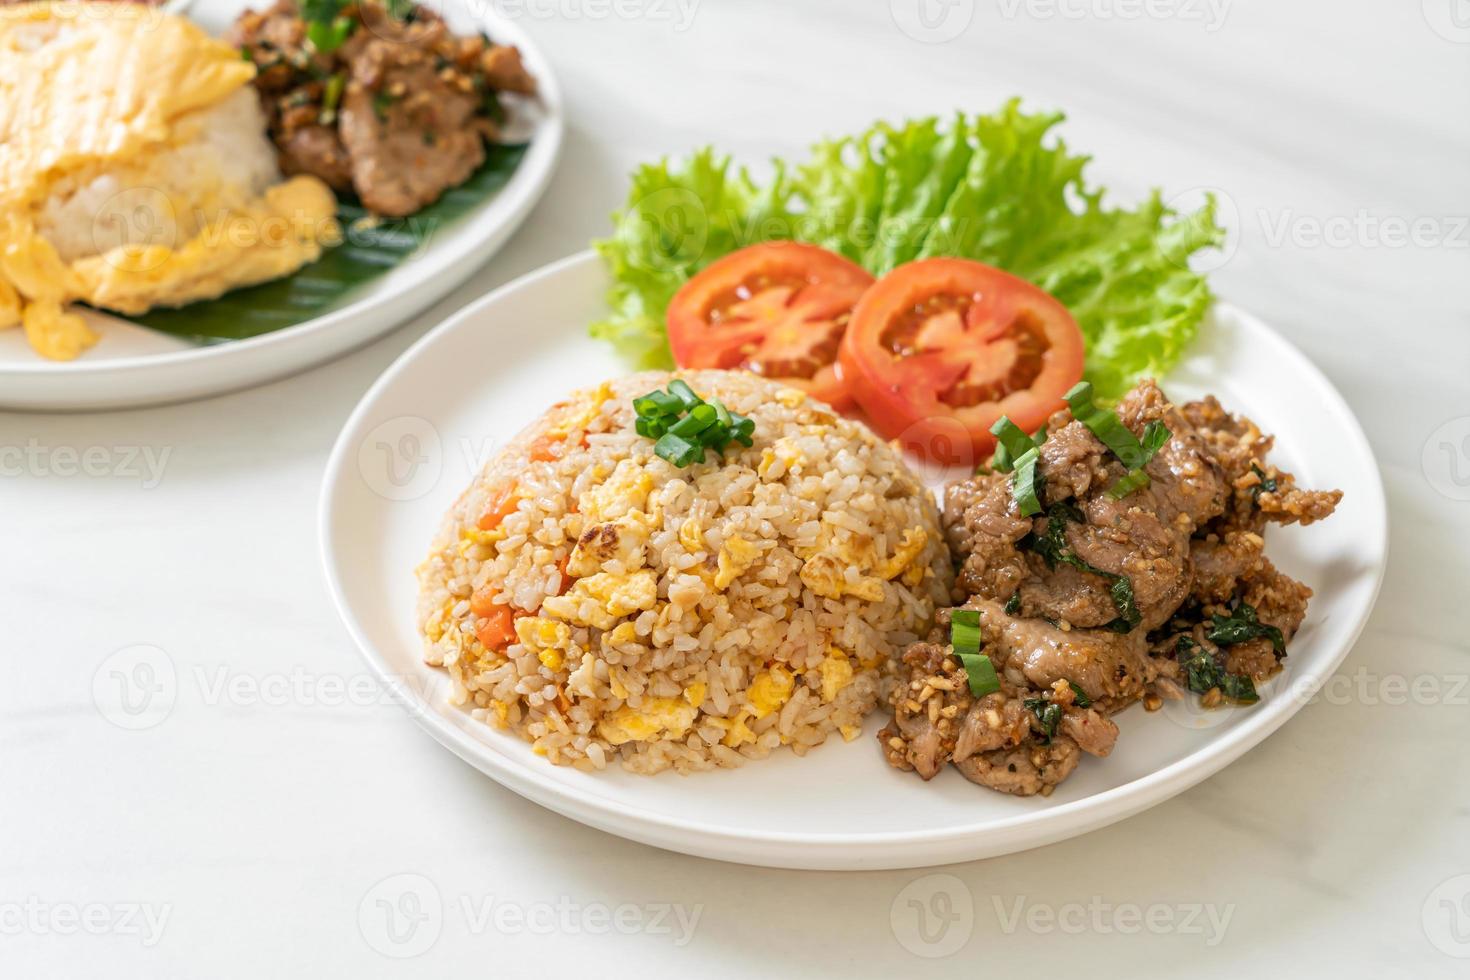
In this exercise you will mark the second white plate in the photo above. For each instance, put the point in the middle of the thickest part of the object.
(133, 365)
(423, 430)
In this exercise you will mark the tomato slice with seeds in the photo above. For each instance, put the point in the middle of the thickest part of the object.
(778, 309)
(939, 349)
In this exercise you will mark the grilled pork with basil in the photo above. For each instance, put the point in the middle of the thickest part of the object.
(1117, 555)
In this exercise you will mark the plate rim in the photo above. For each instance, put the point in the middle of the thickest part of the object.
(905, 849)
(525, 188)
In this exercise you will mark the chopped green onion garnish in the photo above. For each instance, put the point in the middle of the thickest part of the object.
(657, 403)
(700, 417)
(964, 636)
(1155, 434)
(1104, 424)
(327, 37)
(1023, 483)
(981, 674)
(331, 98)
(1012, 444)
(1018, 453)
(964, 630)
(678, 450)
(681, 390)
(686, 425)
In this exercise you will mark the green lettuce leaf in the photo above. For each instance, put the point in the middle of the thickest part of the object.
(678, 220)
(998, 188)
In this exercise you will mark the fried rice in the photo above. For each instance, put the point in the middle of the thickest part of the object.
(605, 605)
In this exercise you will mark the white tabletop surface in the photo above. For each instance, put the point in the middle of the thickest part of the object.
(256, 829)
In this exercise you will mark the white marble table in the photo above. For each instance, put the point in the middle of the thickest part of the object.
(244, 835)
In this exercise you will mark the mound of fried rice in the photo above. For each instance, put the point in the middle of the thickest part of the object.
(681, 618)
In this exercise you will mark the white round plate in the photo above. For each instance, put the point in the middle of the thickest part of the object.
(421, 433)
(132, 365)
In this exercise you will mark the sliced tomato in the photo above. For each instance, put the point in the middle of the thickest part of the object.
(778, 309)
(939, 349)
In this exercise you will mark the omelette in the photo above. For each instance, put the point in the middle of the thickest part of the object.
(135, 171)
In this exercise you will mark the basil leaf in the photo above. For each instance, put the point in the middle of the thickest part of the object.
(1048, 716)
(1267, 484)
(1203, 673)
(1079, 696)
(1242, 626)
(1051, 545)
